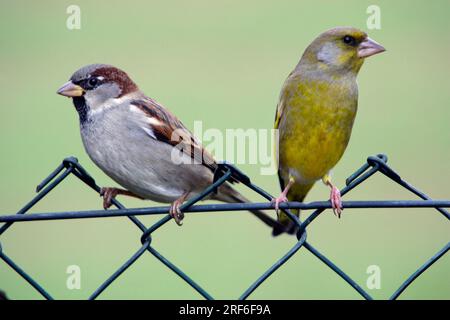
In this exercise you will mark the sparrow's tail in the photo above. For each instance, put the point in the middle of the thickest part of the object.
(227, 194)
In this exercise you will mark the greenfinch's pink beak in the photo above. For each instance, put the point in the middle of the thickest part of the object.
(69, 89)
(369, 47)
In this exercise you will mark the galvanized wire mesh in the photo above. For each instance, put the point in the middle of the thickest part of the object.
(70, 166)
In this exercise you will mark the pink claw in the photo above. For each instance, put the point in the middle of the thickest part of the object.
(336, 201)
(282, 198)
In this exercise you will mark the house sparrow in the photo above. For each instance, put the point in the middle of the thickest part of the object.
(316, 111)
(140, 144)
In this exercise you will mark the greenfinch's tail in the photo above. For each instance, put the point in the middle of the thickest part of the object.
(228, 194)
(288, 225)
(297, 192)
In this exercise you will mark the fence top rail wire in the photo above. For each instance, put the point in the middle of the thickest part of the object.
(86, 214)
(225, 172)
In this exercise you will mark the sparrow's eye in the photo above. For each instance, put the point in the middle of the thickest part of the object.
(92, 82)
(349, 40)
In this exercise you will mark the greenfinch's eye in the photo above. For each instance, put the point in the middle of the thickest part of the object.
(349, 40)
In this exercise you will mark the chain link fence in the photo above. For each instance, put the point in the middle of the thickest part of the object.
(70, 166)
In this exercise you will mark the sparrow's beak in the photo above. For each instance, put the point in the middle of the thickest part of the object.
(369, 47)
(69, 89)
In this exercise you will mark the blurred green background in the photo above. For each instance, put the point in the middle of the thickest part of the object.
(224, 63)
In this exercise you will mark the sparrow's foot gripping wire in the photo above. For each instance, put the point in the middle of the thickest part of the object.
(175, 211)
(109, 194)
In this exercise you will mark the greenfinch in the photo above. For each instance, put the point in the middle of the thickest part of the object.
(315, 114)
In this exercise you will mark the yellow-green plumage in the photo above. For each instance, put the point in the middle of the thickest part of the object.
(316, 111)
